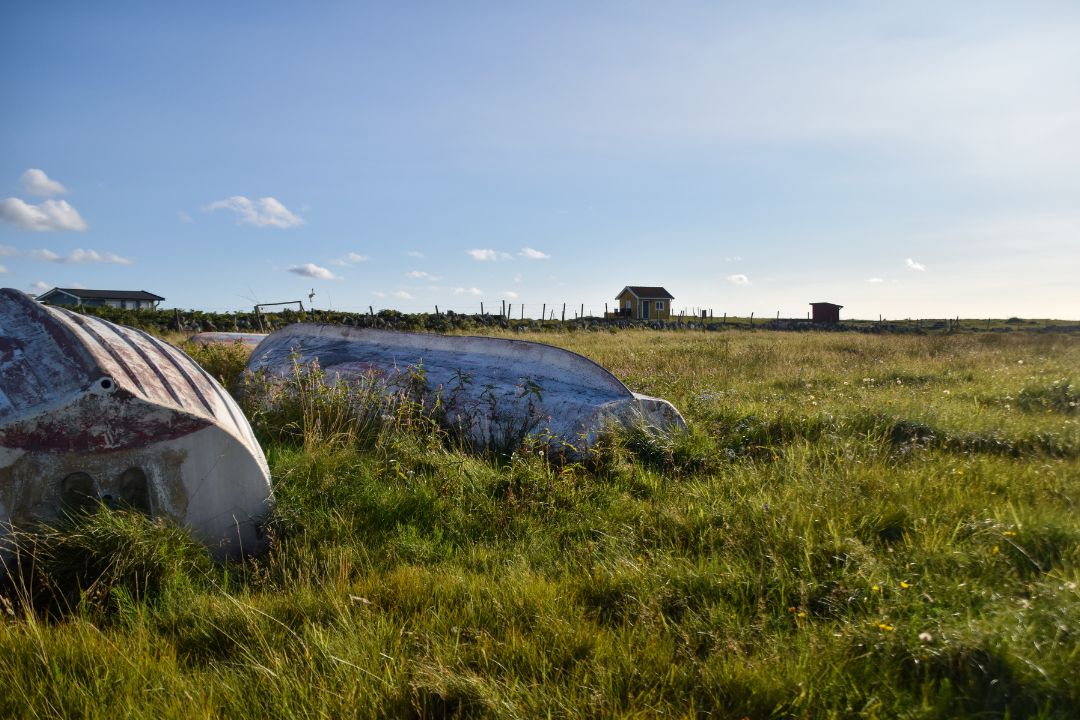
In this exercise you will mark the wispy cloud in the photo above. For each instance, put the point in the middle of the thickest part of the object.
(415, 254)
(41, 286)
(312, 270)
(738, 279)
(350, 260)
(487, 254)
(36, 182)
(422, 275)
(264, 212)
(8, 251)
(3, 270)
(518, 278)
(733, 258)
(532, 254)
(378, 294)
(79, 256)
(510, 294)
(49, 215)
(184, 217)
(468, 291)
(916, 266)
(875, 280)
(404, 295)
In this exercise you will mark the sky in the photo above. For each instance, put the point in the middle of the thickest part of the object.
(905, 160)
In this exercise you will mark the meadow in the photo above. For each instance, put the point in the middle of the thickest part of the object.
(855, 525)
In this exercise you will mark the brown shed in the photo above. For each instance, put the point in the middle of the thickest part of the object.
(826, 312)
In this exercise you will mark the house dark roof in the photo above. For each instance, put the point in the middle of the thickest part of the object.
(649, 293)
(826, 304)
(84, 294)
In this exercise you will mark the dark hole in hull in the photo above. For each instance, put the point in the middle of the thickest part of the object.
(133, 491)
(78, 493)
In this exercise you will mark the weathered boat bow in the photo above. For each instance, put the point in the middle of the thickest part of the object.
(95, 412)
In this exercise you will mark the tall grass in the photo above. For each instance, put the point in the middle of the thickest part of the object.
(853, 526)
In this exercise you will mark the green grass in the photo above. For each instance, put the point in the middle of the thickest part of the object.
(855, 525)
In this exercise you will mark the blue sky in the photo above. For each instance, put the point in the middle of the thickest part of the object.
(906, 159)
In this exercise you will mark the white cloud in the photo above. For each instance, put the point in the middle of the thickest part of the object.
(875, 280)
(265, 212)
(468, 291)
(41, 286)
(312, 270)
(49, 215)
(403, 295)
(184, 217)
(916, 266)
(518, 278)
(510, 294)
(379, 294)
(79, 256)
(733, 258)
(7, 250)
(532, 254)
(45, 255)
(350, 260)
(36, 182)
(3, 270)
(487, 254)
(415, 254)
(422, 275)
(738, 279)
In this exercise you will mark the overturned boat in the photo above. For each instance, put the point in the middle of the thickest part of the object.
(227, 338)
(92, 412)
(495, 392)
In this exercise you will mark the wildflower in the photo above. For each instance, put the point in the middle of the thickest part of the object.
(904, 585)
(1009, 533)
(995, 551)
(800, 614)
(876, 588)
(926, 637)
(885, 627)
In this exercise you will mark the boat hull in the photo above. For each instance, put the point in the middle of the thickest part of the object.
(92, 412)
(494, 391)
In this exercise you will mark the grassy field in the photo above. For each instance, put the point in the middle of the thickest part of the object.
(855, 526)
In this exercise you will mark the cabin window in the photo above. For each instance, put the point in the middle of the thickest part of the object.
(627, 306)
(659, 304)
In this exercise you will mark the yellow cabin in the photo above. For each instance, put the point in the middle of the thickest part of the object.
(643, 303)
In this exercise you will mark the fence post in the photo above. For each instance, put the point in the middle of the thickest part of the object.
(436, 309)
(543, 312)
(564, 312)
(751, 319)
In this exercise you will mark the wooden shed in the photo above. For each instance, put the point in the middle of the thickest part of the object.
(825, 312)
(643, 303)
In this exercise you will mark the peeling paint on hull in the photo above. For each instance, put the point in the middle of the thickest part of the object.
(91, 411)
(496, 390)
